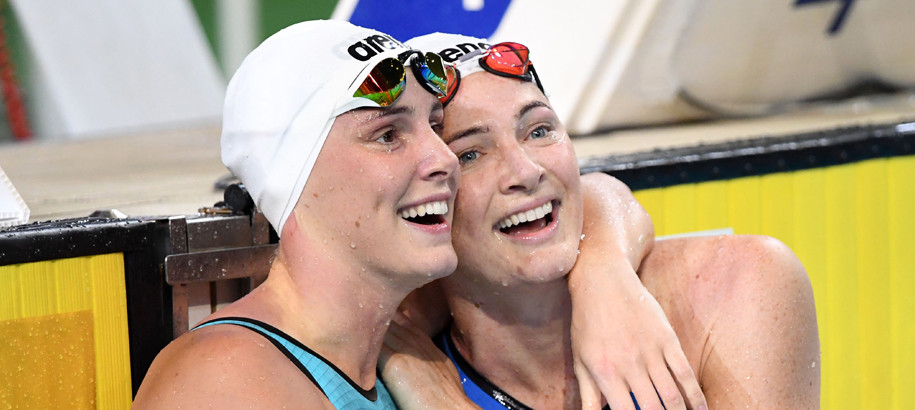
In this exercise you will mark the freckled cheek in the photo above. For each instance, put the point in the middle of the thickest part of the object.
(469, 212)
(565, 164)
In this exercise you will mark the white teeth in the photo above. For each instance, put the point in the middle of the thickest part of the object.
(527, 216)
(531, 216)
(431, 208)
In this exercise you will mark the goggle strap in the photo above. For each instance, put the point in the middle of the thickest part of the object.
(418, 73)
(453, 86)
(536, 77)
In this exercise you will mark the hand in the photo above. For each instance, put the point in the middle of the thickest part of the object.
(641, 354)
(622, 341)
(417, 374)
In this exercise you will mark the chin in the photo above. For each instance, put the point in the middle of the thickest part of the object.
(441, 266)
(549, 266)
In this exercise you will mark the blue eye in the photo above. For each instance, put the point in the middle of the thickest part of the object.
(540, 132)
(468, 156)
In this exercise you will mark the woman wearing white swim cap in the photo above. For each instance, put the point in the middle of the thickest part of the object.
(333, 130)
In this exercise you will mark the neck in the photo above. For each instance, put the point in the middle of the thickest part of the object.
(518, 338)
(335, 308)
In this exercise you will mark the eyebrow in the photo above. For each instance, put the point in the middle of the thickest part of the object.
(484, 129)
(389, 111)
(479, 129)
(374, 113)
(530, 106)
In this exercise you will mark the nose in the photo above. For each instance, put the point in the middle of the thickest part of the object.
(521, 172)
(439, 163)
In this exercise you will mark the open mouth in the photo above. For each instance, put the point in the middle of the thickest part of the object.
(528, 221)
(430, 213)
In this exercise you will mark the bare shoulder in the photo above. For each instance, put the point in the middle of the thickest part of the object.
(602, 181)
(225, 366)
(743, 249)
(727, 261)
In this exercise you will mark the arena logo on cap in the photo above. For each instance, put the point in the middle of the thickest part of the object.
(365, 49)
(452, 54)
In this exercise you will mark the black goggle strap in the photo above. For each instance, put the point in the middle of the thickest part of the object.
(430, 68)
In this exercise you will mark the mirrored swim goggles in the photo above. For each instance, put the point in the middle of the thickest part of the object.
(505, 59)
(387, 80)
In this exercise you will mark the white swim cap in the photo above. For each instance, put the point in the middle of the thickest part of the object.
(463, 51)
(283, 99)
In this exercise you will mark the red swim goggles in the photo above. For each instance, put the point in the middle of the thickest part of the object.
(510, 60)
(506, 59)
(387, 80)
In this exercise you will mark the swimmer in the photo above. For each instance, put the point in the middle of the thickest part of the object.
(333, 130)
(741, 306)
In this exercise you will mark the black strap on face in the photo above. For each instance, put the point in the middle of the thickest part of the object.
(409, 57)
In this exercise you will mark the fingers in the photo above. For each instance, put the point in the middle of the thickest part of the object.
(666, 388)
(644, 391)
(659, 386)
(587, 388)
(686, 381)
(619, 397)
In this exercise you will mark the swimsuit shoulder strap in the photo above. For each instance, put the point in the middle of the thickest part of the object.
(477, 387)
(339, 388)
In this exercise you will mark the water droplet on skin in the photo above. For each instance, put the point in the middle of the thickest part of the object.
(352, 245)
(582, 236)
(504, 283)
(813, 365)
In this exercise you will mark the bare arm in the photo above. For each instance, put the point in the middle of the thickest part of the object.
(622, 341)
(416, 373)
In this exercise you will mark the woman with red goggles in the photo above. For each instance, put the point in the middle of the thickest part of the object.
(733, 314)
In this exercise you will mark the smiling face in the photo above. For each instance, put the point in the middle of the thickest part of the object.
(518, 213)
(382, 189)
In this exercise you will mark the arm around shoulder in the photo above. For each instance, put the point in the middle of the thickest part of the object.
(621, 338)
(614, 220)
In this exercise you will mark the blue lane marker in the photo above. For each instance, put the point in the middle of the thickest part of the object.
(838, 20)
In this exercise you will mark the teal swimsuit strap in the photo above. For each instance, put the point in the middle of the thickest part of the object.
(339, 389)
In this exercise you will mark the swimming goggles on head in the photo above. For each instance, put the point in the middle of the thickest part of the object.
(387, 80)
(505, 59)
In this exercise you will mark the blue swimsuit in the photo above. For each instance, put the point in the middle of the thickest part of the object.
(477, 388)
(339, 389)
